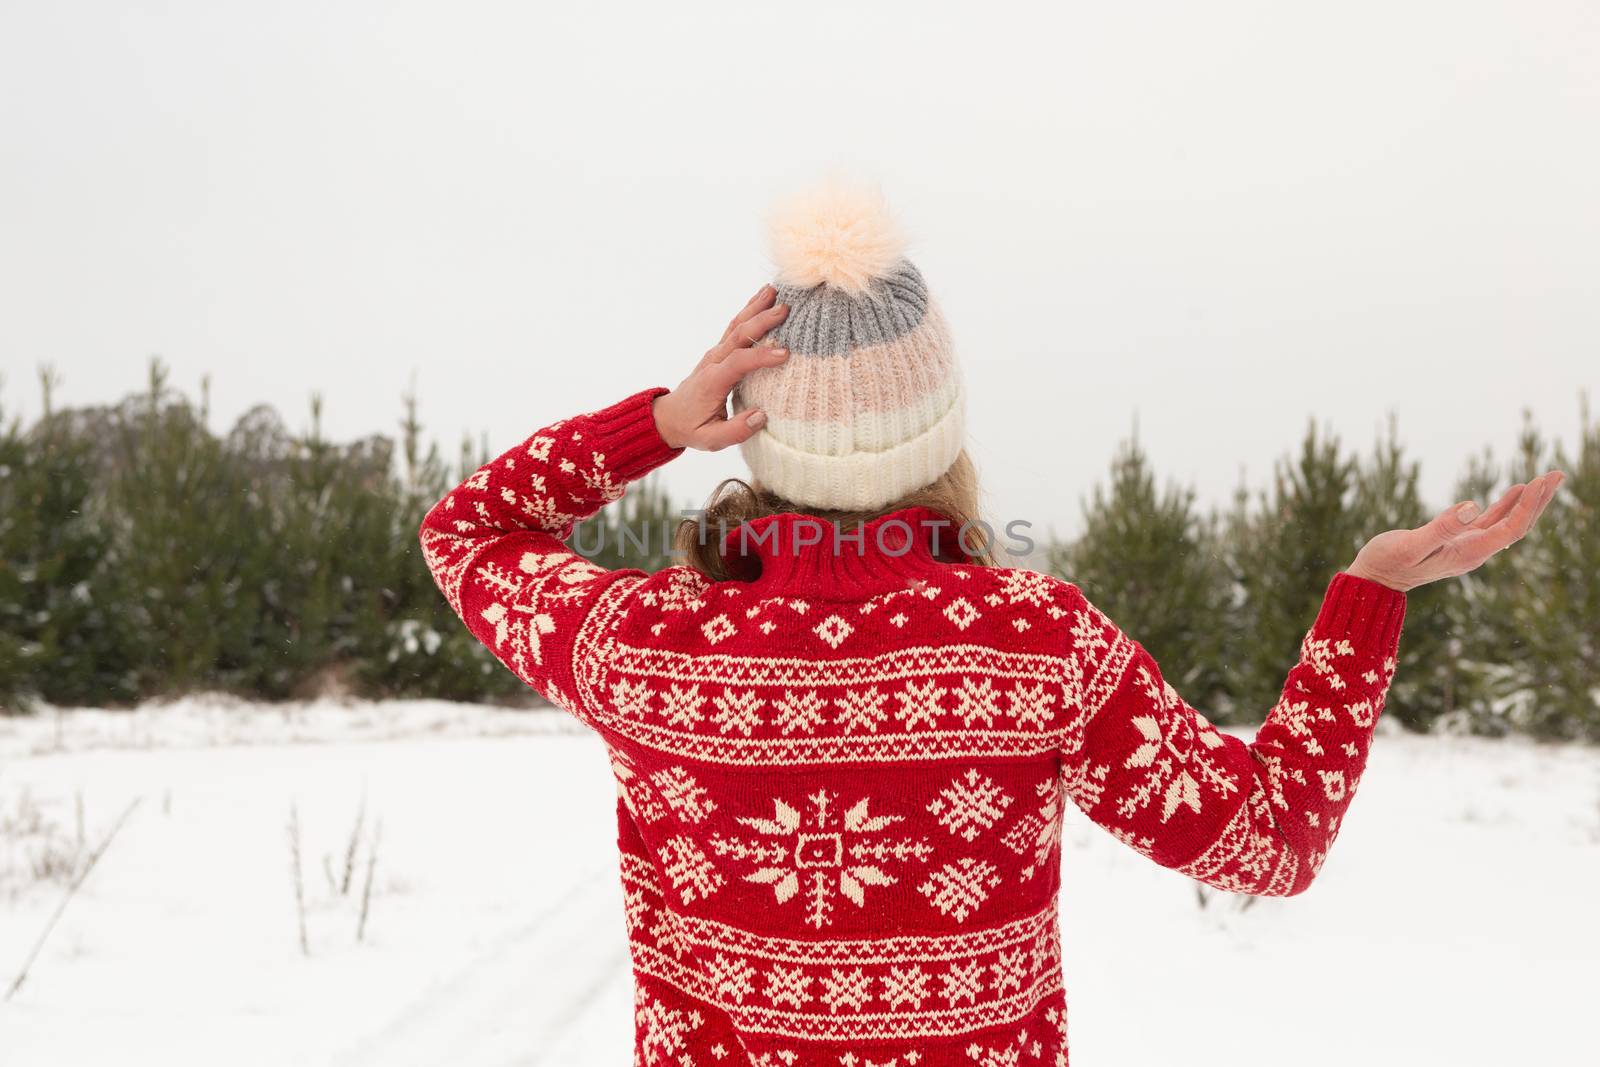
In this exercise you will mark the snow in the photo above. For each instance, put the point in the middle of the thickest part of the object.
(1454, 922)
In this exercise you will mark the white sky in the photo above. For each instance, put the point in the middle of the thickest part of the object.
(1221, 218)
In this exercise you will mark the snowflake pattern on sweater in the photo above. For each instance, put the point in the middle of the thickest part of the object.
(840, 783)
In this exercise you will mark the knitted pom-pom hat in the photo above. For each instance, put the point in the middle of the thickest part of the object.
(870, 405)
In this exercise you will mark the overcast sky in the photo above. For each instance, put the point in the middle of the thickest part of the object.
(1222, 219)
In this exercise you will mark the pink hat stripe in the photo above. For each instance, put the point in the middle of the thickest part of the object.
(874, 431)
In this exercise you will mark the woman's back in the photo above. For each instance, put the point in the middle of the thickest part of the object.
(840, 796)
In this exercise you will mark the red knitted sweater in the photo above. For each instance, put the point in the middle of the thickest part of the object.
(840, 784)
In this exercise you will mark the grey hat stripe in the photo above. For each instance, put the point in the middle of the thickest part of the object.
(828, 321)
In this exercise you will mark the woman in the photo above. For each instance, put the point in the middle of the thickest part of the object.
(842, 739)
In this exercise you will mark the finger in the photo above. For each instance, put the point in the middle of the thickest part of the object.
(1479, 545)
(741, 361)
(747, 334)
(717, 435)
(758, 325)
(762, 300)
(1546, 488)
(709, 386)
(1498, 509)
(1445, 527)
(1556, 478)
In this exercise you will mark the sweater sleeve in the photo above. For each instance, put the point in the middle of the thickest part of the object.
(496, 543)
(1256, 817)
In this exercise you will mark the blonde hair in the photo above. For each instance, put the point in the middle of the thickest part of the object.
(954, 494)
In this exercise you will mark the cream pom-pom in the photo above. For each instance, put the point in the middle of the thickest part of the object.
(838, 233)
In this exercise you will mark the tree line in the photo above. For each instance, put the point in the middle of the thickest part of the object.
(143, 554)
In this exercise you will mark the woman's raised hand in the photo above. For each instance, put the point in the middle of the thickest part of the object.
(1457, 541)
(695, 414)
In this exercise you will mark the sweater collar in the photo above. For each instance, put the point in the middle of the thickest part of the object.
(803, 553)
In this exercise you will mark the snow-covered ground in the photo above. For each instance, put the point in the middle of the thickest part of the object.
(1456, 921)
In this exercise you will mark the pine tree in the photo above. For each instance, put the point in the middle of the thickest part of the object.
(1477, 634)
(1532, 619)
(61, 632)
(323, 560)
(17, 539)
(1150, 561)
(411, 643)
(181, 518)
(1387, 498)
(1282, 556)
(1571, 539)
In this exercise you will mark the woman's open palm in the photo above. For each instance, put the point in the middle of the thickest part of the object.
(1458, 540)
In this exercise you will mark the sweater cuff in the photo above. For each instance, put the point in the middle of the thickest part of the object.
(625, 433)
(1366, 613)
